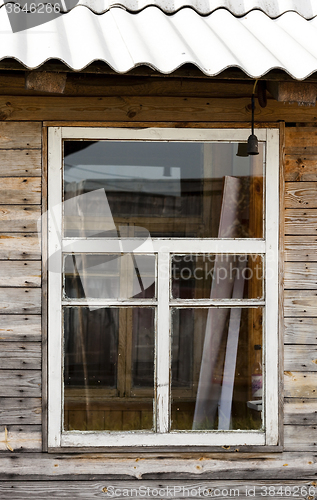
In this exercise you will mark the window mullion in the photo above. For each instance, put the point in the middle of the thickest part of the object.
(54, 266)
(163, 345)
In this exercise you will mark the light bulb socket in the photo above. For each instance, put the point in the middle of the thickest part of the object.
(253, 145)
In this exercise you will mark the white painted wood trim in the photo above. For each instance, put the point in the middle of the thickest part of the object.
(161, 134)
(164, 247)
(163, 353)
(173, 303)
(271, 283)
(179, 439)
(181, 246)
(54, 288)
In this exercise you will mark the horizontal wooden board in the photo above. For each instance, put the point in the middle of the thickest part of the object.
(301, 195)
(301, 249)
(301, 167)
(111, 85)
(300, 384)
(300, 303)
(300, 275)
(300, 331)
(17, 135)
(178, 489)
(26, 328)
(302, 137)
(202, 467)
(17, 218)
(20, 162)
(19, 438)
(300, 358)
(20, 383)
(19, 273)
(20, 411)
(300, 411)
(160, 124)
(20, 301)
(300, 221)
(300, 438)
(20, 190)
(16, 246)
(148, 109)
(20, 356)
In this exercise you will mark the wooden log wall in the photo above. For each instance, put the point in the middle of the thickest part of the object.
(20, 350)
(20, 287)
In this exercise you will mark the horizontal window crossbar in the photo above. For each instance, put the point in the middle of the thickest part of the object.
(173, 303)
(185, 246)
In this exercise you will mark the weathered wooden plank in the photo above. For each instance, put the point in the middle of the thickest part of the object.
(20, 163)
(159, 124)
(136, 467)
(20, 383)
(301, 167)
(16, 246)
(41, 490)
(300, 249)
(300, 330)
(300, 303)
(18, 273)
(300, 137)
(301, 195)
(20, 328)
(20, 438)
(300, 437)
(110, 85)
(300, 384)
(20, 411)
(300, 221)
(148, 109)
(20, 135)
(20, 301)
(300, 358)
(20, 356)
(17, 218)
(20, 190)
(300, 411)
(300, 275)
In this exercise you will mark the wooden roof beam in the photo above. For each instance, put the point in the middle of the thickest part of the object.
(45, 81)
(303, 93)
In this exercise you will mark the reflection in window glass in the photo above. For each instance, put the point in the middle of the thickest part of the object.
(133, 189)
(213, 384)
(108, 368)
(115, 276)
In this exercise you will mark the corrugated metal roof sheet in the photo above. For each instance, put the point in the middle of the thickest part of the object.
(255, 43)
(273, 8)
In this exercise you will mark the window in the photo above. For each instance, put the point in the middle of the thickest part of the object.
(163, 288)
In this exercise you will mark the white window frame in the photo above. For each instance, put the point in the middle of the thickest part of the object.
(268, 246)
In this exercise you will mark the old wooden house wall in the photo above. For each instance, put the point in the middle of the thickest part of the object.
(22, 449)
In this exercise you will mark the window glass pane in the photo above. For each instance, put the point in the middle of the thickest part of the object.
(197, 190)
(220, 276)
(108, 368)
(216, 371)
(116, 276)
